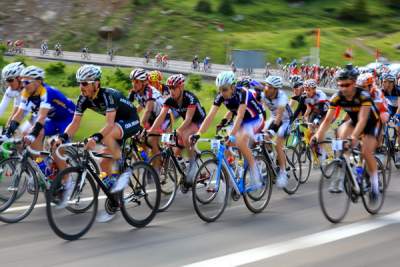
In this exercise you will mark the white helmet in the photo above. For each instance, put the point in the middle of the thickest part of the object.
(225, 78)
(33, 72)
(274, 81)
(12, 70)
(88, 73)
(139, 74)
(310, 83)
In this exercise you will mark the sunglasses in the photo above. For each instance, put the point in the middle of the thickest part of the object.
(10, 80)
(27, 82)
(344, 85)
(85, 83)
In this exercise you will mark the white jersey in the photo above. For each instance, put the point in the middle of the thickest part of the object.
(281, 100)
(7, 97)
(150, 93)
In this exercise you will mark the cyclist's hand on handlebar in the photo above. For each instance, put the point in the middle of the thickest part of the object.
(29, 139)
(354, 141)
(222, 124)
(194, 138)
(90, 144)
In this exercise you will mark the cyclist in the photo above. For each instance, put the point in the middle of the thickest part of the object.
(248, 113)
(155, 80)
(195, 62)
(150, 101)
(57, 48)
(300, 97)
(316, 101)
(158, 58)
(188, 106)
(147, 56)
(11, 75)
(50, 108)
(277, 102)
(206, 63)
(363, 123)
(44, 47)
(164, 60)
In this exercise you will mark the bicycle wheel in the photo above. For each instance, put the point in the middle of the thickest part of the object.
(373, 207)
(66, 224)
(166, 170)
(293, 168)
(257, 198)
(140, 200)
(24, 199)
(306, 161)
(210, 195)
(7, 176)
(334, 188)
(387, 163)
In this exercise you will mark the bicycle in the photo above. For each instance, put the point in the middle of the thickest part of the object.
(215, 176)
(172, 173)
(143, 191)
(335, 204)
(265, 147)
(389, 148)
(21, 182)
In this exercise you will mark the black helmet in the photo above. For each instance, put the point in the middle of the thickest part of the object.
(348, 73)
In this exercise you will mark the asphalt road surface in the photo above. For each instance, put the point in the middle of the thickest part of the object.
(291, 232)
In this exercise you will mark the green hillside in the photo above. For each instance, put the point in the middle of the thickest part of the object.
(279, 28)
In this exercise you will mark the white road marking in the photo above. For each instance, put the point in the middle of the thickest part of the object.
(324, 237)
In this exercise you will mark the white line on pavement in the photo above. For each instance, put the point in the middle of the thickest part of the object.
(324, 237)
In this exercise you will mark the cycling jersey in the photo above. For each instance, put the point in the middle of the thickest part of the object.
(281, 100)
(189, 101)
(353, 106)
(301, 106)
(10, 94)
(109, 100)
(149, 94)
(60, 107)
(392, 99)
(318, 103)
(239, 97)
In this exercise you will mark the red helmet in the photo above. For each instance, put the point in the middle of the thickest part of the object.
(176, 80)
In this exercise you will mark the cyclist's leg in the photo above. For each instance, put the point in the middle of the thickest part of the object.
(370, 142)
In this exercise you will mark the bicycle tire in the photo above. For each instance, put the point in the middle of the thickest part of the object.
(326, 177)
(293, 169)
(382, 182)
(167, 176)
(138, 187)
(201, 181)
(249, 196)
(52, 197)
(6, 215)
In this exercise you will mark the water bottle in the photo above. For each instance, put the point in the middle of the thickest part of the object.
(42, 164)
(240, 169)
(143, 154)
(359, 173)
(108, 180)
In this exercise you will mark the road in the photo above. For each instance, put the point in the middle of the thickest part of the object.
(290, 232)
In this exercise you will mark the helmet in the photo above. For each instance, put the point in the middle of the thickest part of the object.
(244, 81)
(388, 77)
(225, 78)
(175, 80)
(348, 73)
(33, 72)
(274, 81)
(295, 78)
(155, 76)
(138, 74)
(310, 83)
(12, 70)
(365, 80)
(88, 73)
(297, 84)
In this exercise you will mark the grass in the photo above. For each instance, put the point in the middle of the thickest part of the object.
(267, 25)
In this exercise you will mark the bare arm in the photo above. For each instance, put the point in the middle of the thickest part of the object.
(188, 118)
(110, 123)
(160, 119)
(147, 112)
(206, 123)
(325, 124)
(73, 127)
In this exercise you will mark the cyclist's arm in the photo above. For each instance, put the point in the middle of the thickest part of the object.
(110, 123)
(160, 119)
(362, 121)
(42, 115)
(4, 103)
(73, 127)
(307, 113)
(239, 118)
(206, 123)
(14, 111)
(279, 114)
(147, 112)
(19, 115)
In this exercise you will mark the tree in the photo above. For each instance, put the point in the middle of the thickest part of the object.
(203, 6)
(226, 8)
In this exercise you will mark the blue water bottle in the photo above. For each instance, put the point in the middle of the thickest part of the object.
(359, 172)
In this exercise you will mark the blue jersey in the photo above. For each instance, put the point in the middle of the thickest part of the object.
(60, 107)
(393, 96)
(254, 109)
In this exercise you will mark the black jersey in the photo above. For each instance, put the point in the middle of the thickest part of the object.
(189, 101)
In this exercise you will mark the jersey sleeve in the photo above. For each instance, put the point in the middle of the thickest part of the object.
(243, 97)
(365, 99)
(334, 101)
(45, 100)
(4, 102)
(218, 100)
(282, 100)
(24, 105)
(80, 106)
(169, 102)
(191, 101)
(109, 102)
(131, 96)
